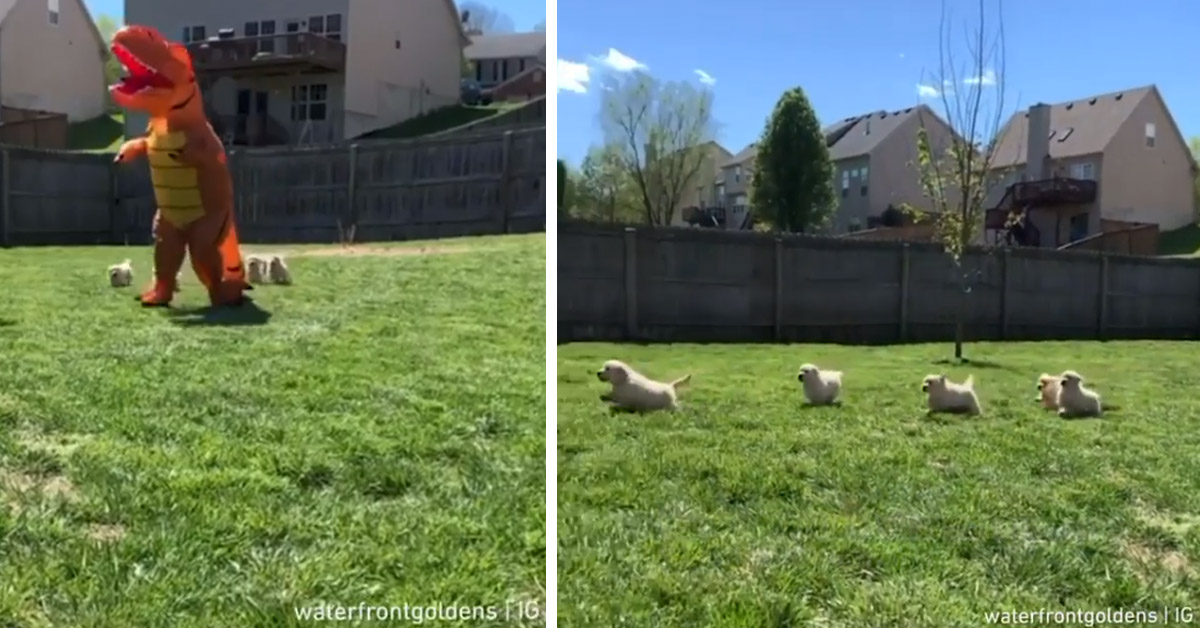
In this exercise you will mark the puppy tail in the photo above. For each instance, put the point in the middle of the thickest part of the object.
(682, 381)
(970, 383)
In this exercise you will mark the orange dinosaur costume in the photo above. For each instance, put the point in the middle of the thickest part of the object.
(192, 186)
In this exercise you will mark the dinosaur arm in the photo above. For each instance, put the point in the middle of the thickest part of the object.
(131, 150)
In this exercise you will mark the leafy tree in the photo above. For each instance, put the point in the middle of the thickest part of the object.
(958, 173)
(792, 184)
(108, 26)
(1195, 145)
(562, 185)
(603, 190)
(485, 19)
(658, 133)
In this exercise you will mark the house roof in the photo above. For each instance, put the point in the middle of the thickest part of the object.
(506, 46)
(744, 155)
(1092, 121)
(859, 135)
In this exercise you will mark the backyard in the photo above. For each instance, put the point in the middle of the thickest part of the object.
(746, 508)
(372, 434)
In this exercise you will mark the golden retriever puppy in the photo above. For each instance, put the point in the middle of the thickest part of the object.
(1048, 386)
(947, 396)
(277, 270)
(635, 392)
(820, 387)
(120, 275)
(256, 269)
(1076, 400)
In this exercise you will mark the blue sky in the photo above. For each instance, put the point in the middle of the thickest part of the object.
(856, 56)
(524, 13)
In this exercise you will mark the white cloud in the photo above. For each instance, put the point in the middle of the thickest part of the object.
(705, 77)
(927, 91)
(572, 76)
(902, 55)
(621, 62)
(988, 78)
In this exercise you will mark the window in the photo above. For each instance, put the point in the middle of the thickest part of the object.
(1150, 134)
(52, 7)
(845, 183)
(266, 28)
(521, 65)
(194, 33)
(862, 181)
(1079, 227)
(1083, 171)
(309, 102)
(737, 174)
(327, 25)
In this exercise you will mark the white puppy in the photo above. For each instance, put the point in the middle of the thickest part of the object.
(820, 387)
(947, 396)
(1075, 400)
(633, 391)
(256, 269)
(1048, 386)
(278, 271)
(120, 275)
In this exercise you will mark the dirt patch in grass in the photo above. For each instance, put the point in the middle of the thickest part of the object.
(105, 533)
(378, 251)
(15, 486)
(1148, 560)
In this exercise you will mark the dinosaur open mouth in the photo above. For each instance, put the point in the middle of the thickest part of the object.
(138, 76)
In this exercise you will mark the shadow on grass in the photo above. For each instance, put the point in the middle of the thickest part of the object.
(980, 364)
(246, 315)
(7, 322)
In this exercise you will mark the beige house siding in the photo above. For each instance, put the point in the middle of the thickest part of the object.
(382, 84)
(57, 68)
(492, 72)
(700, 190)
(385, 84)
(1143, 184)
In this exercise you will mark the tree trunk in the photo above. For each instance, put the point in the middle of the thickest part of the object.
(959, 327)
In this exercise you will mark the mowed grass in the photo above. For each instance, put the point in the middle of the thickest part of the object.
(379, 439)
(746, 508)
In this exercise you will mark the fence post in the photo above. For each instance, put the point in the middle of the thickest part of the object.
(5, 198)
(1102, 318)
(506, 187)
(351, 226)
(631, 302)
(778, 289)
(118, 228)
(1004, 260)
(905, 263)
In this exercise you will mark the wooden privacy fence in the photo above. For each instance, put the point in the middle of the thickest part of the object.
(397, 190)
(699, 285)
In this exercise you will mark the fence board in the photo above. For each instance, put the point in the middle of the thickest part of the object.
(397, 190)
(697, 285)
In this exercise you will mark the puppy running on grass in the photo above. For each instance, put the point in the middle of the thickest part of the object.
(1048, 386)
(820, 387)
(635, 392)
(120, 275)
(1074, 399)
(278, 271)
(947, 396)
(256, 269)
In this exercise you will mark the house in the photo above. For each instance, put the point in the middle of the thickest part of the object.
(51, 59)
(1092, 165)
(524, 86)
(873, 156)
(312, 71)
(497, 58)
(700, 204)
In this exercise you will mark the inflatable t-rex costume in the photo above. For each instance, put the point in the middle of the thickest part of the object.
(192, 186)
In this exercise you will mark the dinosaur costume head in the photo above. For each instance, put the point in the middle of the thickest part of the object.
(160, 79)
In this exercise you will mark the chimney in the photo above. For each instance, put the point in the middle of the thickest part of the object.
(1038, 142)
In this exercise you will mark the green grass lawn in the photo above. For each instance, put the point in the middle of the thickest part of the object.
(1185, 241)
(747, 509)
(102, 134)
(379, 439)
(439, 120)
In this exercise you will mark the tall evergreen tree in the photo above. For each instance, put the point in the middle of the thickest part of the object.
(792, 186)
